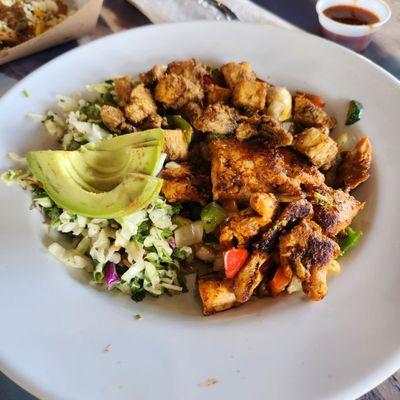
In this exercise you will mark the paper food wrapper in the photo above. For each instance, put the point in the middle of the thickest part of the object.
(81, 22)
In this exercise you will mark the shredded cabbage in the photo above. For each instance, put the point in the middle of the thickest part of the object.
(141, 246)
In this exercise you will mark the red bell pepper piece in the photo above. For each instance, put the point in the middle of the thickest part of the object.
(234, 259)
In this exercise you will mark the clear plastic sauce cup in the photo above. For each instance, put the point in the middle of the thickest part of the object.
(356, 37)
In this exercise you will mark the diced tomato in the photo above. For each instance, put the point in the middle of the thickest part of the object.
(279, 281)
(318, 101)
(234, 259)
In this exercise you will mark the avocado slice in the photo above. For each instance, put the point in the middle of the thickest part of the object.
(98, 171)
(133, 193)
(104, 170)
(151, 137)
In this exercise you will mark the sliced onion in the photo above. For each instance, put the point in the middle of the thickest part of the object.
(189, 234)
(205, 253)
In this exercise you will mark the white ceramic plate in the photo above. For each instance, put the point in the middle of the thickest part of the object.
(54, 326)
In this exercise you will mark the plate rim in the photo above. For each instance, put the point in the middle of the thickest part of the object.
(379, 373)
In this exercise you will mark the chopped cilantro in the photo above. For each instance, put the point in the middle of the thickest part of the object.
(138, 316)
(49, 117)
(91, 110)
(166, 233)
(25, 93)
(138, 295)
(177, 208)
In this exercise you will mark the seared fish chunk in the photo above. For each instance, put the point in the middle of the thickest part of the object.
(216, 295)
(355, 166)
(185, 183)
(307, 252)
(318, 146)
(334, 210)
(217, 118)
(241, 168)
(306, 113)
(236, 72)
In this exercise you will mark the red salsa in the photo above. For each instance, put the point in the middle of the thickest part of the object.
(351, 15)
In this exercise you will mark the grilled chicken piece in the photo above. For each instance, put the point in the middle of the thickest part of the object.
(246, 224)
(264, 127)
(334, 210)
(217, 118)
(307, 252)
(191, 111)
(113, 118)
(175, 91)
(141, 104)
(175, 144)
(123, 89)
(294, 212)
(218, 94)
(318, 146)
(250, 95)
(152, 76)
(236, 72)
(151, 122)
(306, 113)
(252, 273)
(216, 295)
(241, 168)
(189, 69)
(250, 276)
(355, 165)
(185, 183)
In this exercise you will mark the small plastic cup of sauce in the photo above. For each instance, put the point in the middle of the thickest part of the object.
(352, 23)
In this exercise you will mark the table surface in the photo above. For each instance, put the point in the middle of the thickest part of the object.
(118, 15)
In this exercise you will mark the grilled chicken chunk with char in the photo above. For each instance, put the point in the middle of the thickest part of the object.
(355, 165)
(185, 183)
(307, 252)
(216, 295)
(189, 69)
(113, 118)
(175, 91)
(236, 72)
(266, 128)
(175, 144)
(123, 88)
(317, 146)
(245, 224)
(217, 118)
(141, 104)
(252, 273)
(241, 168)
(334, 210)
(218, 94)
(307, 114)
(250, 95)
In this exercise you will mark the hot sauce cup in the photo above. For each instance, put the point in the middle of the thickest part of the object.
(356, 37)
